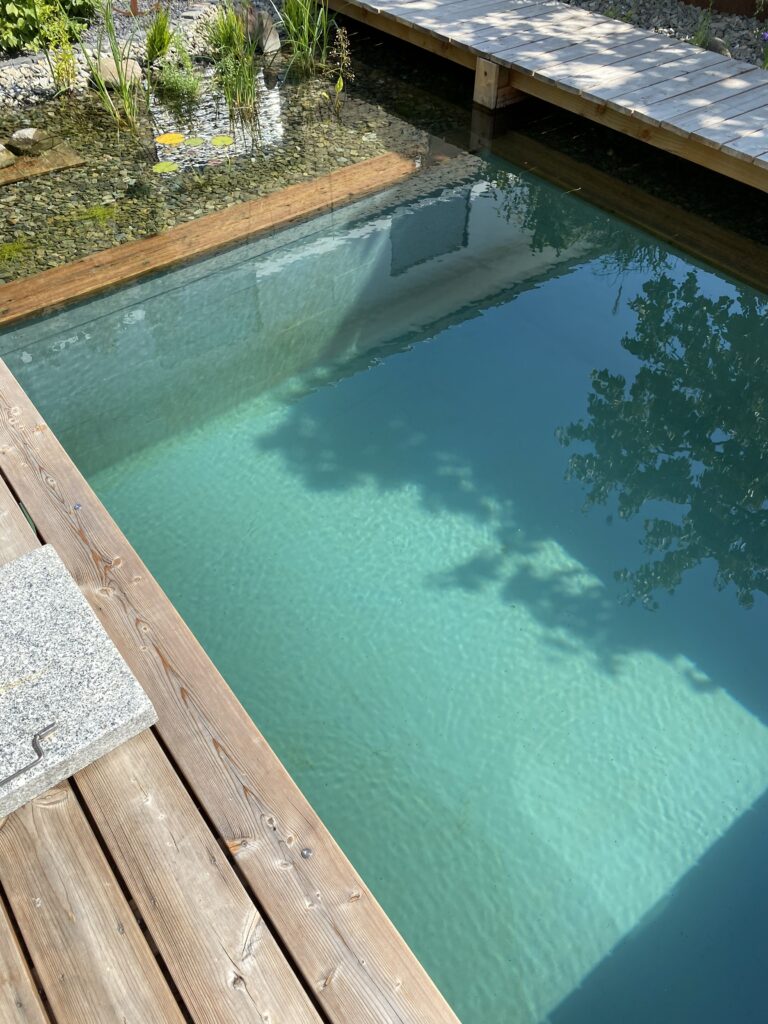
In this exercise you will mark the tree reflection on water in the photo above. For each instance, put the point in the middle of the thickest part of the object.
(689, 431)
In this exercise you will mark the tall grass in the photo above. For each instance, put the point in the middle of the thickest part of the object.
(175, 81)
(126, 101)
(225, 34)
(159, 35)
(307, 26)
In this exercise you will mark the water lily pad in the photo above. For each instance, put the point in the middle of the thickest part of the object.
(170, 138)
(195, 140)
(165, 167)
(222, 140)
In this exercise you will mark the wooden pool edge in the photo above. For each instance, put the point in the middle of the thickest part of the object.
(81, 279)
(352, 959)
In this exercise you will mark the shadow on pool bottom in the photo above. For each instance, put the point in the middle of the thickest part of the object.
(702, 957)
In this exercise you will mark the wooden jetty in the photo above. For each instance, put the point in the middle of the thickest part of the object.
(699, 105)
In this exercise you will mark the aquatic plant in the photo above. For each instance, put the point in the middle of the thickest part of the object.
(101, 214)
(170, 138)
(175, 81)
(56, 32)
(165, 167)
(224, 34)
(341, 64)
(10, 251)
(703, 33)
(159, 35)
(126, 100)
(307, 26)
(221, 141)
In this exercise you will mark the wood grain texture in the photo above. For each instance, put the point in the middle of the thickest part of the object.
(19, 1000)
(56, 159)
(83, 278)
(349, 953)
(223, 958)
(89, 953)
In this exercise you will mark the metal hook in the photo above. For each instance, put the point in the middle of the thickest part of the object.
(38, 749)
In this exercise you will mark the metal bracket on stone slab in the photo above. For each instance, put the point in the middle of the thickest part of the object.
(37, 746)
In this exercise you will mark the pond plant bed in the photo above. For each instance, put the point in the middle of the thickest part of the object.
(119, 265)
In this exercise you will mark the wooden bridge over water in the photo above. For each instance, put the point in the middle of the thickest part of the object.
(694, 103)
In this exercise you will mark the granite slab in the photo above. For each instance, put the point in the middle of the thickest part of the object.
(66, 695)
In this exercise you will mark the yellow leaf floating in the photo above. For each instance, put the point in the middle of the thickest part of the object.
(222, 140)
(170, 138)
(165, 167)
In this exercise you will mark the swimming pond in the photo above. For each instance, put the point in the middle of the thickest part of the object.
(419, 475)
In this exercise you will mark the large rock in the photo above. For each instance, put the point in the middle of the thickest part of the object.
(108, 71)
(30, 142)
(261, 29)
(6, 157)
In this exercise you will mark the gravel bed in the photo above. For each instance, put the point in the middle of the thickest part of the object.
(115, 197)
(742, 36)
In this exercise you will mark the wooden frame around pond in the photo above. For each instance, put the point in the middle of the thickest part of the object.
(50, 289)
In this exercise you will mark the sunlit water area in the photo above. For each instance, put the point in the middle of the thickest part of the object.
(420, 476)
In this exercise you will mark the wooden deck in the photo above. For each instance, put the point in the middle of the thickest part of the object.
(696, 104)
(183, 877)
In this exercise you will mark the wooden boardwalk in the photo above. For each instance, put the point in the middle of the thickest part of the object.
(691, 102)
(183, 877)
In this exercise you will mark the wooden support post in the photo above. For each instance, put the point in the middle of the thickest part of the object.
(482, 129)
(493, 88)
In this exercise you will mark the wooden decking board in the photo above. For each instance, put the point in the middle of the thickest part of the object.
(86, 277)
(68, 905)
(20, 1002)
(349, 954)
(604, 84)
(570, 57)
(649, 97)
(72, 913)
(715, 113)
(677, 107)
(225, 962)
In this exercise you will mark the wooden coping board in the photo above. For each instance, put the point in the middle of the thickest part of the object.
(81, 279)
(192, 879)
(698, 105)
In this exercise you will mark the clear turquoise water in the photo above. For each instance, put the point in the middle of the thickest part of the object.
(343, 454)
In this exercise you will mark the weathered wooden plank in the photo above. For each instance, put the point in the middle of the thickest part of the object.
(669, 111)
(223, 958)
(83, 278)
(19, 999)
(349, 953)
(588, 78)
(647, 98)
(87, 948)
(752, 144)
(16, 535)
(711, 116)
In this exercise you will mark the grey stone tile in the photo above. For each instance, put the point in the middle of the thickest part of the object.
(57, 667)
